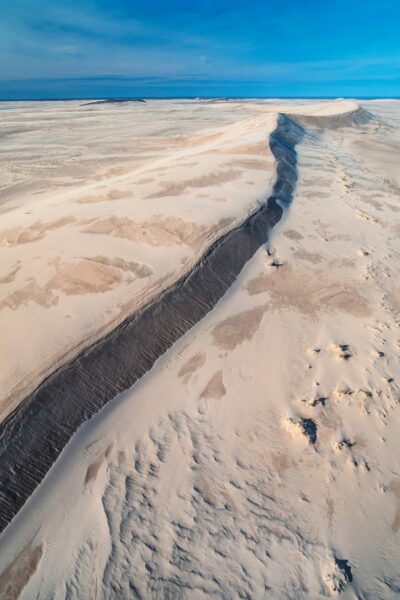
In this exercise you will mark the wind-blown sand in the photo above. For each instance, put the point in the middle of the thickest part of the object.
(258, 458)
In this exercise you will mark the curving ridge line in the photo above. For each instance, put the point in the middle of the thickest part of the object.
(34, 435)
(357, 116)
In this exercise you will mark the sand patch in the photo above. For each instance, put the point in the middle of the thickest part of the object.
(308, 291)
(111, 195)
(292, 234)
(37, 231)
(215, 388)
(280, 462)
(9, 278)
(31, 292)
(121, 458)
(172, 188)
(145, 180)
(312, 257)
(138, 269)
(394, 487)
(343, 262)
(15, 577)
(81, 277)
(317, 195)
(84, 277)
(192, 365)
(316, 182)
(253, 164)
(189, 164)
(160, 230)
(235, 330)
(258, 148)
(330, 510)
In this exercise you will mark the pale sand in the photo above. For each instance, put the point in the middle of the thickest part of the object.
(148, 225)
(259, 457)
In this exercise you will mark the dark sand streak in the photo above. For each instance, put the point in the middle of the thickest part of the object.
(33, 436)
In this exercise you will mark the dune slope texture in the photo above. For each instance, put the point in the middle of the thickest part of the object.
(233, 431)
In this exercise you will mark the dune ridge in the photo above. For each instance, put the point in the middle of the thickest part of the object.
(78, 390)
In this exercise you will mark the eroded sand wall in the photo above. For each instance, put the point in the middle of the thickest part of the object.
(76, 392)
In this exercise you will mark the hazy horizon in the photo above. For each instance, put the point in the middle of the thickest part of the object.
(117, 98)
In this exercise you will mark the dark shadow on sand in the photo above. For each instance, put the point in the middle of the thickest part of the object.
(33, 436)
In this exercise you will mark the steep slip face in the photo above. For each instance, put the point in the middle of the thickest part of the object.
(76, 392)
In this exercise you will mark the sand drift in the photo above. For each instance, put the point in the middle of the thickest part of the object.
(33, 436)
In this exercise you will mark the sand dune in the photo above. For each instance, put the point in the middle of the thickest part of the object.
(47, 268)
(258, 457)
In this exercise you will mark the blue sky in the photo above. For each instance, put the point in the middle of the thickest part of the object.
(158, 48)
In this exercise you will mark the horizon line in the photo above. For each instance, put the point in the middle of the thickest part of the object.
(196, 97)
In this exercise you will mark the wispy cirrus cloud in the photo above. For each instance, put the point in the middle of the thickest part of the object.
(270, 46)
